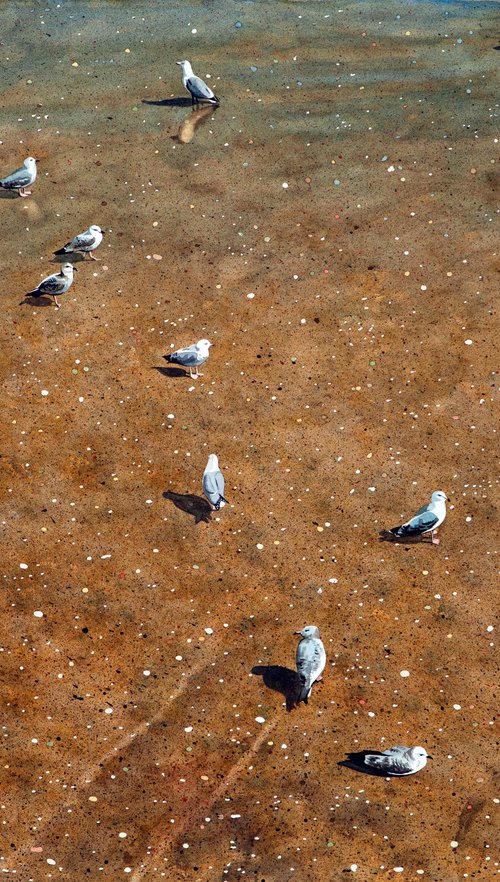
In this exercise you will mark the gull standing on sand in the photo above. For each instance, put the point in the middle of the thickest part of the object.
(398, 760)
(191, 357)
(85, 242)
(21, 178)
(213, 483)
(198, 90)
(427, 519)
(311, 659)
(55, 285)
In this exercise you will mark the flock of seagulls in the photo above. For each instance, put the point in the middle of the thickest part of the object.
(310, 655)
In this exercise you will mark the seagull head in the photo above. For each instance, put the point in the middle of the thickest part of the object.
(204, 344)
(439, 496)
(95, 229)
(30, 163)
(420, 753)
(309, 631)
(67, 269)
(186, 67)
(213, 461)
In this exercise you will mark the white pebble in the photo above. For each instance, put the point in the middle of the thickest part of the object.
(404, 673)
(453, 843)
(260, 546)
(285, 185)
(146, 673)
(260, 719)
(209, 630)
(23, 566)
(251, 295)
(468, 342)
(122, 835)
(353, 868)
(51, 861)
(44, 392)
(38, 614)
(457, 707)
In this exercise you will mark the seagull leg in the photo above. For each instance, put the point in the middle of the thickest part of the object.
(92, 256)
(435, 540)
(58, 305)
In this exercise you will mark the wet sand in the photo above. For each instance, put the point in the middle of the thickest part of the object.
(359, 378)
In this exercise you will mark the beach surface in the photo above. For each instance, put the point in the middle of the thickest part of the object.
(331, 228)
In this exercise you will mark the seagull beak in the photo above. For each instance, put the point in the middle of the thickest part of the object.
(297, 632)
(429, 756)
(179, 62)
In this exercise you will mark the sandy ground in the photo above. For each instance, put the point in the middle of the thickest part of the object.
(358, 379)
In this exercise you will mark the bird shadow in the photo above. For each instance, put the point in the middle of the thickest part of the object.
(72, 257)
(171, 371)
(282, 680)
(193, 505)
(169, 102)
(387, 536)
(9, 194)
(357, 762)
(36, 301)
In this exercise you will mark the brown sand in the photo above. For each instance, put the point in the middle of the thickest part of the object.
(337, 399)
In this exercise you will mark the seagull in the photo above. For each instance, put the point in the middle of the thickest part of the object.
(398, 760)
(213, 483)
(198, 90)
(311, 659)
(59, 283)
(86, 242)
(427, 519)
(21, 178)
(191, 357)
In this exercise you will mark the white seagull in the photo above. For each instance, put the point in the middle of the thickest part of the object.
(213, 483)
(311, 659)
(427, 519)
(191, 357)
(198, 89)
(86, 242)
(21, 178)
(56, 284)
(398, 760)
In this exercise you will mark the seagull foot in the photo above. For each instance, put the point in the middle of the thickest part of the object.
(24, 193)
(94, 258)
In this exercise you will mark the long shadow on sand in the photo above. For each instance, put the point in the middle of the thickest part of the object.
(172, 372)
(36, 301)
(356, 761)
(282, 680)
(193, 505)
(170, 102)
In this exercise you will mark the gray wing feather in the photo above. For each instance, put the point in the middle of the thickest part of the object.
(219, 482)
(52, 285)
(393, 762)
(423, 522)
(188, 357)
(308, 657)
(84, 240)
(198, 88)
(19, 178)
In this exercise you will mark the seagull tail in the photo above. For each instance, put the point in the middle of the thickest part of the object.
(65, 250)
(34, 293)
(398, 531)
(305, 691)
(215, 100)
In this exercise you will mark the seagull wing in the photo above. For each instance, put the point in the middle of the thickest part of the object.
(52, 285)
(188, 356)
(21, 177)
(199, 89)
(421, 523)
(82, 241)
(311, 659)
(393, 761)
